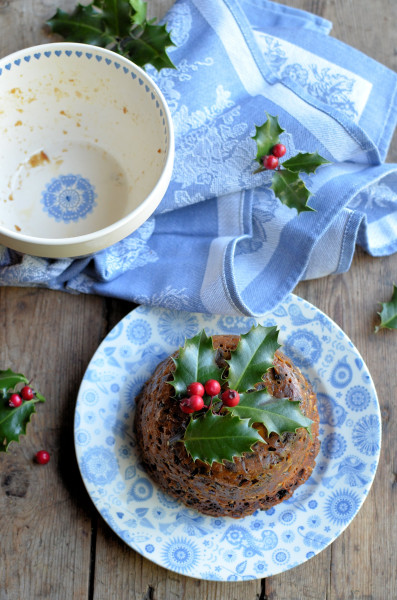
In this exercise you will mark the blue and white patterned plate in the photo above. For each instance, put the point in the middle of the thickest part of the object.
(183, 540)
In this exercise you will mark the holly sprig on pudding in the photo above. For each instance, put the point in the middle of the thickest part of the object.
(227, 404)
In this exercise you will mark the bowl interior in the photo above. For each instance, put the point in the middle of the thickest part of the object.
(83, 140)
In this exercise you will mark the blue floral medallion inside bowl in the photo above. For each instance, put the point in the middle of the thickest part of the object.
(69, 198)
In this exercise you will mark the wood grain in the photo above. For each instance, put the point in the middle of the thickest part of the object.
(54, 545)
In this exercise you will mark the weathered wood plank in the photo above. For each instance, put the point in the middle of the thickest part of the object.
(45, 548)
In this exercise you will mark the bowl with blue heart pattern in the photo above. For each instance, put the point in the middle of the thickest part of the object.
(87, 149)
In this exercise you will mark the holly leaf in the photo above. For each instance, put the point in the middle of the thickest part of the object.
(8, 381)
(215, 438)
(388, 313)
(139, 11)
(84, 25)
(267, 136)
(116, 16)
(120, 25)
(195, 362)
(305, 161)
(277, 415)
(13, 421)
(291, 190)
(150, 47)
(252, 357)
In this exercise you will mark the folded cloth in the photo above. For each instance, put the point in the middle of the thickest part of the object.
(220, 242)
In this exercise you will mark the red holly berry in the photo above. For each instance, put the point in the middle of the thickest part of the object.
(15, 400)
(279, 150)
(230, 398)
(27, 393)
(212, 387)
(196, 402)
(270, 162)
(186, 407)
(42, 457)
(195, 389)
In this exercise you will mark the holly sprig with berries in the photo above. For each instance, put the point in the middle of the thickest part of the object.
(287, 184)
(17, 405)
(224, 404)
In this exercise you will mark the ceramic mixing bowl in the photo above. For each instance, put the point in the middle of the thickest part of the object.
(86, 149)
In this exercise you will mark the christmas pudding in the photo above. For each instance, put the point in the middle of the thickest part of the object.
(228, 425)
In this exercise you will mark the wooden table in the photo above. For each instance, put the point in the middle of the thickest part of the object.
(53, 543)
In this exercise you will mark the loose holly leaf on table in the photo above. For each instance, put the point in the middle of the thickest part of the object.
(119, 25)
(215, 438)
(84, 25)
(277, 415)
(252, 358)
(13, 421)
(8, 381)
(388, 313)
(148, 48)
(291, 190)
(140, 10)
(195, 362)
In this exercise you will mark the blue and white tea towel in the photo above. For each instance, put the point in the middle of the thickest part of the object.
(220, 242)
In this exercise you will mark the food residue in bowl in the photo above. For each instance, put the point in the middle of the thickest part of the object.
(38, 159)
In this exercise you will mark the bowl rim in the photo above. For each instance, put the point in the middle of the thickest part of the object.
(163, 179)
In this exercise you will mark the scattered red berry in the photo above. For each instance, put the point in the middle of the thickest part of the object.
(27, 393)
(196, 402)
(15, 400)
(279, 150)
(195, 389)
(42, 457)
(270, 162)
(230, 398)
(212, 387)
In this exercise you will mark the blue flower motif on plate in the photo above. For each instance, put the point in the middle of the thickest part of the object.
(314, 521)
(287, 517)
(99, 465)
(260, 567)
(139, 332)
(334, 445)
(141, 490)
(342, 374)
(341, 506)
(366, 435)
(83, 437)
(175, 326)
(303, 347)
(281, 556)
(124, 451)
(181, 554)
(288, 536)
(90, 397)
(69, 198)
(132, 389)
(358, 398)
